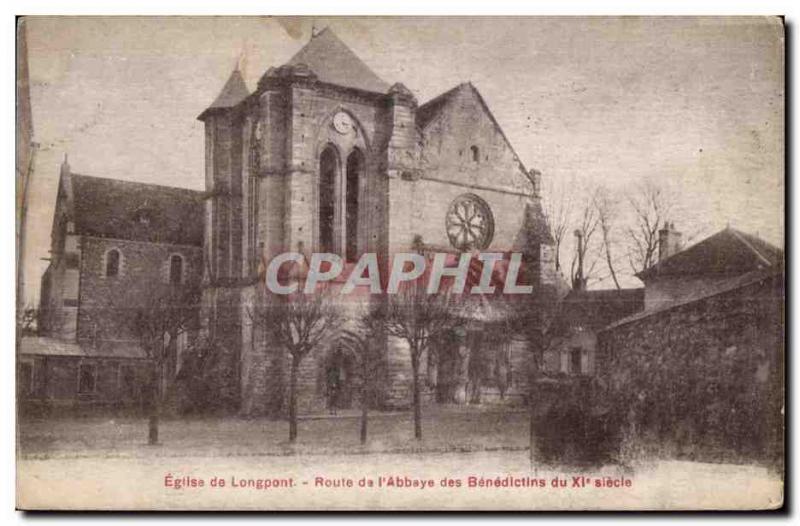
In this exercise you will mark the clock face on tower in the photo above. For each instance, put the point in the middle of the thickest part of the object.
(342, 123)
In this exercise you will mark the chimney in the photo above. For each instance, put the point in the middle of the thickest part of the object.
(669, 241)
(578, 281)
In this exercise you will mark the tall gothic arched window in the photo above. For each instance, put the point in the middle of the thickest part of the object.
(328, 167)
(355, 167)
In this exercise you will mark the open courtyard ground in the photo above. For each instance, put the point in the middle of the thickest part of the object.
(468, 459)
(444, 429)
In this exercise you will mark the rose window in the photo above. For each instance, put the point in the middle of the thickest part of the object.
(469, 223)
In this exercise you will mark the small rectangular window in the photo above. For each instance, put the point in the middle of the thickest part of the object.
(87, 378)
(575, 361)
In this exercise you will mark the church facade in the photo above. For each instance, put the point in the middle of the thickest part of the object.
(324, 156)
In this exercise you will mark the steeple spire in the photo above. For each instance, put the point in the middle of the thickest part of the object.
(234, 92)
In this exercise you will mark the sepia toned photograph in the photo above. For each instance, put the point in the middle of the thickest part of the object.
(400, 263)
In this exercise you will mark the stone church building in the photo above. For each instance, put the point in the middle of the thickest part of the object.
(324, 156)
(115, 246)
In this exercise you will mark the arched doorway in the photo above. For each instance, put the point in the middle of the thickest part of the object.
(339, 380)
(328, 168)
(355, 167)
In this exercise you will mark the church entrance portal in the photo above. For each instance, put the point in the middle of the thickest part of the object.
(338, 381)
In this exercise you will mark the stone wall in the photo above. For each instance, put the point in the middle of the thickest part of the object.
(704, 378)
(448, 170)
(105, 302)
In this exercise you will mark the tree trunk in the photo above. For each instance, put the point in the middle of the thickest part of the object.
(153, 429)
(417, 408)
(155, 404)
(364, 416)
(557, 253)
(532, 437)
(293, 401)
(610, 263)
(538, 356)
(366, 391)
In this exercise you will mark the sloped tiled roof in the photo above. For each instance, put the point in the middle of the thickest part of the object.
(43, 346)
(233, 92)
(726, 285)
(594, 309)
(334, 63)
(136, 211)
(726, 252)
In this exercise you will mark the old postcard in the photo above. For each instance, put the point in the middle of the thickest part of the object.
(400, 263)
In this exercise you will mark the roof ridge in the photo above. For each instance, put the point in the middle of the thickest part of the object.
(441, 96)
(741, 237)
(334, 62)
(661, 262)
(497, 125)
(743, 280)
(233, 92)
(140, 183)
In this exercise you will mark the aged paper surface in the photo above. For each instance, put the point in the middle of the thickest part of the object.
(400, 263)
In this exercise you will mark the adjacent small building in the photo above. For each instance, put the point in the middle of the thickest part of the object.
(724, 260)
(701, 368)
(113, 243)
(582, 313)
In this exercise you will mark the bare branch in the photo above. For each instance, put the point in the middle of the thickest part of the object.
(651, 205)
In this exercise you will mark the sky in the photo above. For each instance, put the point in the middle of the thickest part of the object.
(693, 104)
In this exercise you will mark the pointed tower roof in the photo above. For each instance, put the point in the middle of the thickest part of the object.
(234, 92)
(335, 63)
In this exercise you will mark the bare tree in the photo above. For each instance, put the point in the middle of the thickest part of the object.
(418, 318)
(558, 209)
(298, 323)
(606, 209)
(362, 344)
(651, 205)
(165, 313)
(587, 225)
